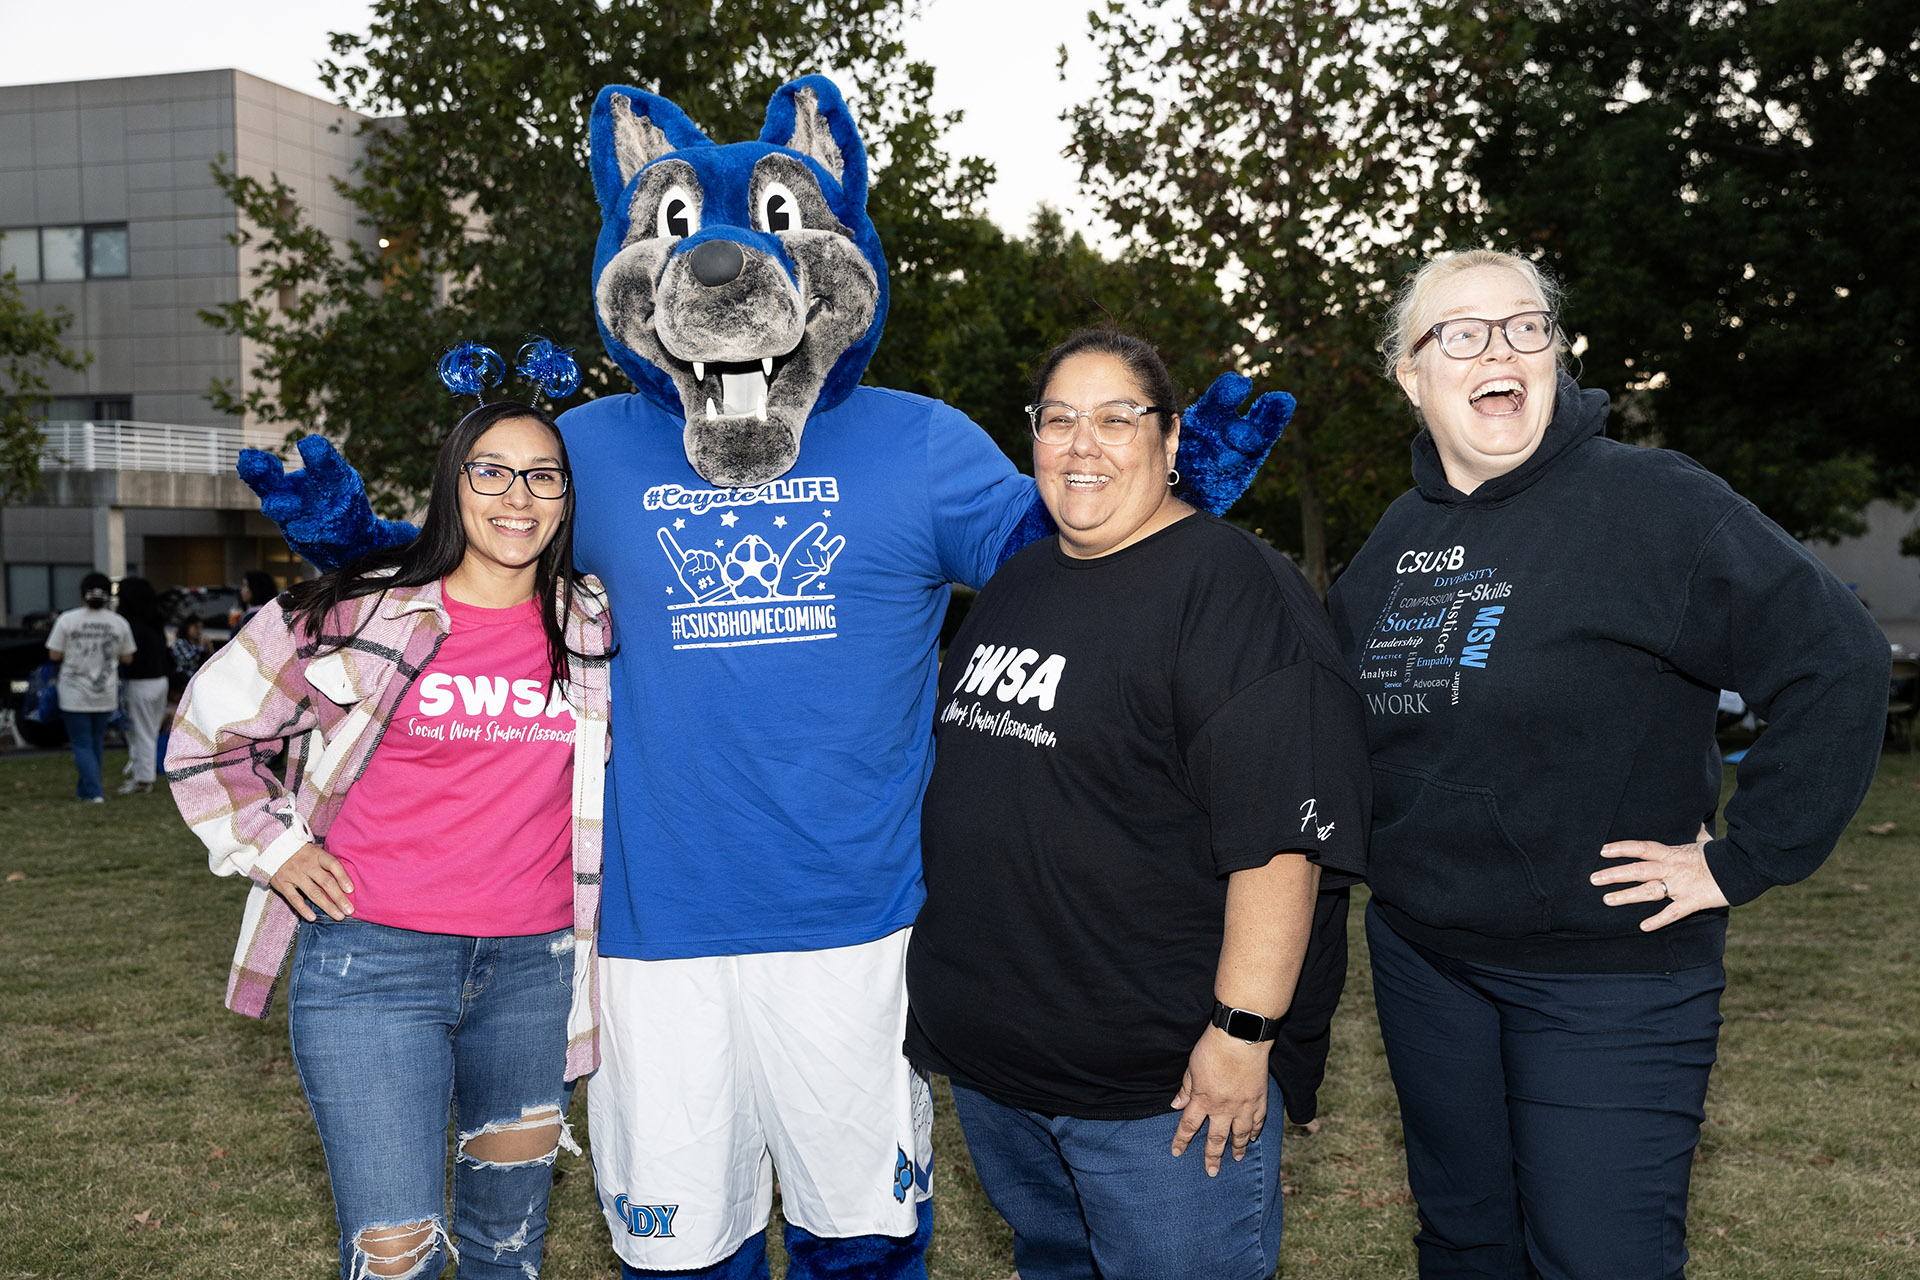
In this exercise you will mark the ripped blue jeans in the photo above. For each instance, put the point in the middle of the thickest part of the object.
(396, 1032)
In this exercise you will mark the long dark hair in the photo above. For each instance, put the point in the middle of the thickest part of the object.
(442, 545)
(139, 602)
(260, 586)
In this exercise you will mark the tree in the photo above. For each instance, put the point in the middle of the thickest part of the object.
(1001, 304)
(1301, 153)
(477, 180)
(30, 346)
(1727, 189)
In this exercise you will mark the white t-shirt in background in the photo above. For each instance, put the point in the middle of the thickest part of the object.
(91, 642)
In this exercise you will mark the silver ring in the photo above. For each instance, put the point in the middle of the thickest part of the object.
(1664, 891)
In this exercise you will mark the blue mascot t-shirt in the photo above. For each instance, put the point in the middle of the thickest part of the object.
(773, 688)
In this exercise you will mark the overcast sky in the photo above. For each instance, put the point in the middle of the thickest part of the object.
(993, 59)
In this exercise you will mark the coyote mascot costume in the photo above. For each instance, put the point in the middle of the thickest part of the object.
(777, 542)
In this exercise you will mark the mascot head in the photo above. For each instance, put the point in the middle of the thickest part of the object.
(741, 286)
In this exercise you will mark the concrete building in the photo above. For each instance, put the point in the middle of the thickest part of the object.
(109, 208)
(1872, 565)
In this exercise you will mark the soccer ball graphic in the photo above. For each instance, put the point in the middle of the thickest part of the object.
(751, 569)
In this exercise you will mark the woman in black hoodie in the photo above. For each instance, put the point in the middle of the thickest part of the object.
(1540, 628)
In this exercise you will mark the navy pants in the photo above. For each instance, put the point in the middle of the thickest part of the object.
(1550, 1118)
(812, 1257)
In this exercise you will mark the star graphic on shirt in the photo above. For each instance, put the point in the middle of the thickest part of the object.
(679, 524)
(729, 519)
(779, 522)
(826, 511)
(719, 542)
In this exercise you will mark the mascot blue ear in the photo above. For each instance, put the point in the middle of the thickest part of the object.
(809, 116)
(630, 129)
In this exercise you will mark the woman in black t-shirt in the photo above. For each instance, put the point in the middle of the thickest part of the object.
(1123, 838)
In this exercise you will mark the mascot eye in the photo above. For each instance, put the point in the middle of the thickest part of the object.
(679, 215)
(779, 211)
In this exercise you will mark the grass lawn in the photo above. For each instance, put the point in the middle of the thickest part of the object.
(154, 1134)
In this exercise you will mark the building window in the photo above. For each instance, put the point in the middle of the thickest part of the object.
(34, 254)
(90, 409)
(106, 252)
(20, 253)
(43, 588)
(63, 253)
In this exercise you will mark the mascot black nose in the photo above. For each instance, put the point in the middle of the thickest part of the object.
(717, 262)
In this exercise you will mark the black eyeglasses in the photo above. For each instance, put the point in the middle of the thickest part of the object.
(1465, 337)
(490, 480)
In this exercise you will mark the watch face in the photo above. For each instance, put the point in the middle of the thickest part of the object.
(1242, 1025)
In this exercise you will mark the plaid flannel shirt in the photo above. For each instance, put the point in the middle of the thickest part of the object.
(329, 704)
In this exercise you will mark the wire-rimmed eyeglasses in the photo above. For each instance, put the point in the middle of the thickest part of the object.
(1114, 423)
(490, 480)
(1465, 337)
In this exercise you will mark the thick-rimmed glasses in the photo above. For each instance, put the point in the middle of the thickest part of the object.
(1465, 337)
(490, 480)
(1114, 423)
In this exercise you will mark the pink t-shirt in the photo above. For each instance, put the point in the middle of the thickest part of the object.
(463, 820)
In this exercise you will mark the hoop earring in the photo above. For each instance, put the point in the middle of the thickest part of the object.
(1173, 477)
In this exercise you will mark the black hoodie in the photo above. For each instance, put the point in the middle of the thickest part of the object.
(1541, 660)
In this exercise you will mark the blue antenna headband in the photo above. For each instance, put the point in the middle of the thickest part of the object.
(469, 368)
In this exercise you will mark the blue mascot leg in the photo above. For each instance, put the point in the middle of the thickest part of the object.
(811, 1257)
(749, 1262)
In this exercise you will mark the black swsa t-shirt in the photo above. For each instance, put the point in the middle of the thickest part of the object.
(1114, 737)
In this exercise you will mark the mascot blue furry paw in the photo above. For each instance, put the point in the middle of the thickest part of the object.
(777, 542)
(322, 510)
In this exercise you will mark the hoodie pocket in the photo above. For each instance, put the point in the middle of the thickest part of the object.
(1441, 854)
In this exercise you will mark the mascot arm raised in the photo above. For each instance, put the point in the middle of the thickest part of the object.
(1220, 453)
(322, 511)
(326, 519)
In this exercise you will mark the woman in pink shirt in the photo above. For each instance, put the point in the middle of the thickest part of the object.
(444, 707)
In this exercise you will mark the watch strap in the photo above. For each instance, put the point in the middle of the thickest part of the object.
(1244, 1024)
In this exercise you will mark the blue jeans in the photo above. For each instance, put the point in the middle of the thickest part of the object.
(1106, 1199)
(1550, 1118)
(393, 1032)
(87, 733)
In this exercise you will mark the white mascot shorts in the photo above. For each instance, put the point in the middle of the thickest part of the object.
(717, 1070)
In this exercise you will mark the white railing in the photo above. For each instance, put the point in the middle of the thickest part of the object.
(145, 446)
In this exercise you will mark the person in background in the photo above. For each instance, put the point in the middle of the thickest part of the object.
(256, 588)
(442, 855)
(1542, 626)
(91, 644)
(145, 689)
(1148, 753)
(191, 648)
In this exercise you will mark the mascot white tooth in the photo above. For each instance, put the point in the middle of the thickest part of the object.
(777, 541)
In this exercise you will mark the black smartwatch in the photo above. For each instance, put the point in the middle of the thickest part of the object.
(1244, 1024)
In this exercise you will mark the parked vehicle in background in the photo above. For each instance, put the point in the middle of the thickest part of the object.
(214, 606)
(23, 650)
